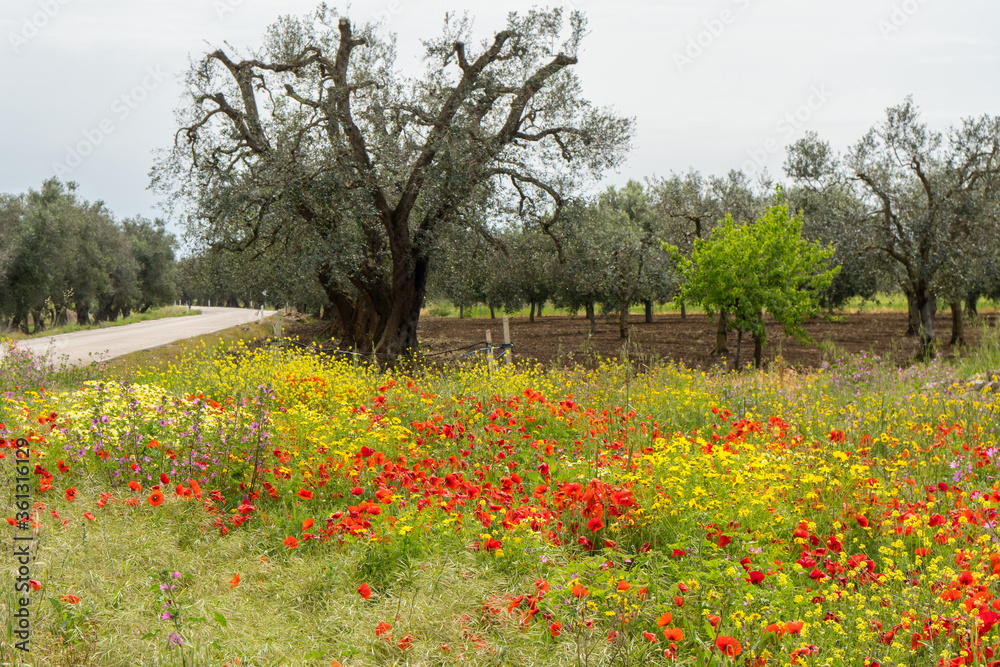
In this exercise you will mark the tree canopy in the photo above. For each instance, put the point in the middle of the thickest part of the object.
(766, 265)
(316, 135)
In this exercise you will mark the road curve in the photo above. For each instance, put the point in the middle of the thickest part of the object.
(82, 347)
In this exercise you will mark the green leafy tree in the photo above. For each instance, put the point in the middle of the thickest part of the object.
(153, 248)
(691, 206)
(748, 269)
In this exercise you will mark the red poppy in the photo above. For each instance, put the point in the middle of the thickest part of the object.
(555, 629)
(664, 620)
(729, 646)
(196, 489)
(35, 585)
(650, 636)
(579, 591)
(135, 486)
(357, 491)
(756, 577)
(71, 599)
(673, 634)
(235, 581)
(624, 586)
(678, 600)
(642, 593)
(164, 479)
(595, 525)
(794, 627)
(406, 643)
(382, 628)
(71, 494)
(63, 468)
(862, 520)
(305, 494)
(291, 542)
(365, 591)
(89, 516)
(155, 498)
(307, 524)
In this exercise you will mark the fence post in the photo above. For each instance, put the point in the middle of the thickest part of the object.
(507, 351)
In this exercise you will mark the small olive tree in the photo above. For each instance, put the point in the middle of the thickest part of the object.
(745, 270)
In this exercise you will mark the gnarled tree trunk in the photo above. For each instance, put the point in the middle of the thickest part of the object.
(926, 307)
(957, 325)
(592, 316)
(721, 347)
(971, 305)
(648, 303)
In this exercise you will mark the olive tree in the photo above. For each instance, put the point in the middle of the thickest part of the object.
(317, 128)
(930, 206)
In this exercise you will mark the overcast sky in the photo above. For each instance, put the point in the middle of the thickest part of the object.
(713, 85)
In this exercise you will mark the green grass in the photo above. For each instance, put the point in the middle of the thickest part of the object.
(880, 303)
(151, 314)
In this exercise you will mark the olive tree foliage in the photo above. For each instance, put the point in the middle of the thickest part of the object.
(579, 276)
(631, 249)
(612, 255)
(747, 269)
(528, 268)
(282, 274)
(59, 253)
(461, 268)
(317, 129)
(832, 215)
(930, 206)
(691, 205)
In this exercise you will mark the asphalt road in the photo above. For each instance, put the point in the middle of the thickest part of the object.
(81, 347)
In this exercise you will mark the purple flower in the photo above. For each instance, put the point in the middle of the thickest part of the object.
(174, 639)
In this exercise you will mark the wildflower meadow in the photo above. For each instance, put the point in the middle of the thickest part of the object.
(255, 505)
